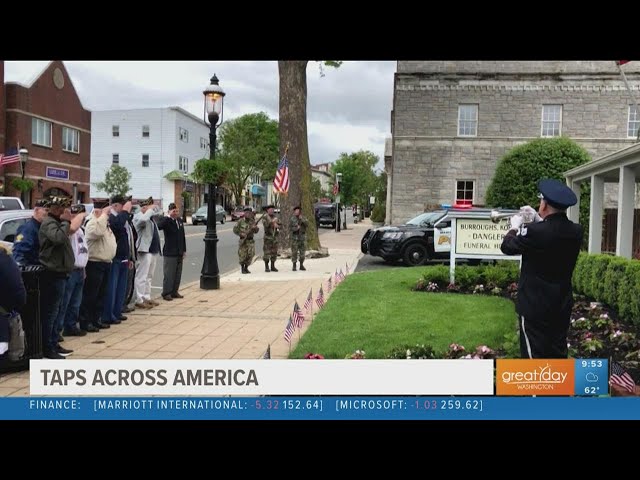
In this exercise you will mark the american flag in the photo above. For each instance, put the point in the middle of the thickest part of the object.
(346, 266)
(281, 181)
(620, 377)
(329, 285)
(298, 317)
(320, 299)
(10, 156)
(341, 275)
(337, 278)
(309, 302)
(267, 354)
(288, 332)
(336, 188)
(622, 62)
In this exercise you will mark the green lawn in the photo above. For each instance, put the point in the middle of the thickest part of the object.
(377, 311)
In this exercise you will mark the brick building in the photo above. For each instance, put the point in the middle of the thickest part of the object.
(47, 118)
(453, 120)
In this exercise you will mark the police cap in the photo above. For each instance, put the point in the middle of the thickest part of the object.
(556, 194)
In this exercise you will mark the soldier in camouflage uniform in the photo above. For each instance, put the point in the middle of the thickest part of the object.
(271, 224)
(298, 228)
(245, 229)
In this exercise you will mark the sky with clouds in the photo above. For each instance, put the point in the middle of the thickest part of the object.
(348, 109)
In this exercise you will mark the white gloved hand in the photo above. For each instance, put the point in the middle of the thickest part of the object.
(516, 222)
(530, 212)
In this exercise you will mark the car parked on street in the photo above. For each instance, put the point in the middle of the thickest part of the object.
(200, 216)
(10, 221)
(11, 203)
(325, 214)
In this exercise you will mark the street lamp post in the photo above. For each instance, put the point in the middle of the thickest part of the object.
(338, 181)
(213, 109)
(24, 155)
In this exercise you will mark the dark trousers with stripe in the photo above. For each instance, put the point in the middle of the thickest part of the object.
(544, 336)
(172, 269)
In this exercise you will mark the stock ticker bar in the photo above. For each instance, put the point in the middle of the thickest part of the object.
(320, 408)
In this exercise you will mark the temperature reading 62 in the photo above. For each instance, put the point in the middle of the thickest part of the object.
(591, 390)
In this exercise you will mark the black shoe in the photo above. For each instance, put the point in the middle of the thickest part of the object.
(74, 332)
(89, 328)
(122, 318)
(294, 267)
(63, 351)
(60, 338)
(101, 325)
(266, 266)
(53, 355)
(128, 310)
(176, 295)
(302, 267)
(273, 266)
(168, 298)
(115, 322)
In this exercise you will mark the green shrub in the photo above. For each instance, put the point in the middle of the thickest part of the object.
(437, 274)
(468, 277)
(585, 276)
(578, 273)
(613, 280)
(629, 293)
(379, 212)
(600, 263)
(502, 274)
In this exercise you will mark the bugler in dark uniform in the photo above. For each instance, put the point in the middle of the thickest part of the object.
(549, 249)
(245, 229)
(271, 224)
(26, 246)
(298, 229)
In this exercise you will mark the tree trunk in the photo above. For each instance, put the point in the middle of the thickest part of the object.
(293, 129)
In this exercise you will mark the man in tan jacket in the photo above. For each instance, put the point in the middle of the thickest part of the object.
(102, 248)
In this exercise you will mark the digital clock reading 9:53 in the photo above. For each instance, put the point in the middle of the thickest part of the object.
(592, 376)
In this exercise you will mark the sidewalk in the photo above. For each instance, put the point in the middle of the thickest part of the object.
(240, 320)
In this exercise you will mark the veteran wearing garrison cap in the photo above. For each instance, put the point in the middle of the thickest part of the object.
(549, 247)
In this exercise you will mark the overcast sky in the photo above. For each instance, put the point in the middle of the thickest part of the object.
(348, 109)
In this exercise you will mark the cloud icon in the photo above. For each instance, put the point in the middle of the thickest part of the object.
(592, 377)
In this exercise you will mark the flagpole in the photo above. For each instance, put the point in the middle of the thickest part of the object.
(633, 98)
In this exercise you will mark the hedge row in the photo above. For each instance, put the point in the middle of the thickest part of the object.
(614, 281)
(467, 277)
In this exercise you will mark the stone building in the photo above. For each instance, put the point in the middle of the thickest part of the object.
(453, 120)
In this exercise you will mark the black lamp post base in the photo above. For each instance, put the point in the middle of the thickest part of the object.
(210, 282)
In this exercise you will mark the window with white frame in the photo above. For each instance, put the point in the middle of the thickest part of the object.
(115, 130)
(70, 140)
(464, 191)
(184, 134)
(203, 143)
(467, 120)
(145, 159)
(41, 132)
(115, 158)
(183, 164)
(551, 120)
(145, 131)
(633, 123)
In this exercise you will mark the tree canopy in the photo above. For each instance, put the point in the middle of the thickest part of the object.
(116, 181)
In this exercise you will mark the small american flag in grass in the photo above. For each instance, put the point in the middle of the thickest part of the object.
(309, 301)
(320, 299)
(298, 317)
(288, 331)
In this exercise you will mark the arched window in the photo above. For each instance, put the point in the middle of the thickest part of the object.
(55, 192)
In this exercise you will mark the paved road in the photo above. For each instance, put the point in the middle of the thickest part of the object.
(227, 252)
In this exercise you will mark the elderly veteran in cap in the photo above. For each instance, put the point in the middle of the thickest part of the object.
(26, 246)
(118, 275)
(148, 251)
(271, 225)
(549, 249)
(56, 255)
(101, 243)
(174, 251)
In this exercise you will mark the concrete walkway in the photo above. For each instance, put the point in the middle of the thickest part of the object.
(248, 313)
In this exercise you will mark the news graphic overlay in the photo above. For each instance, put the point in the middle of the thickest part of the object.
(257, 377)
(592, 376)
(535, 377)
